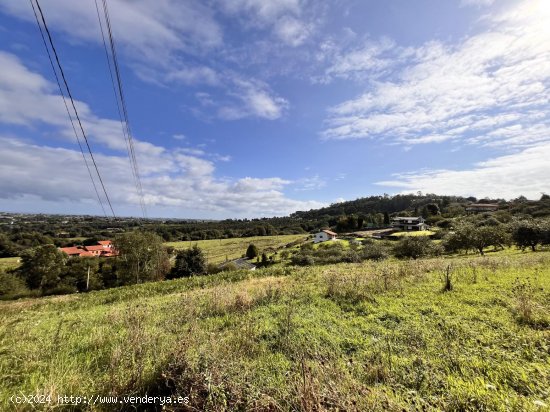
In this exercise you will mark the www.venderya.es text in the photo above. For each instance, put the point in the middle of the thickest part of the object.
(98, 400)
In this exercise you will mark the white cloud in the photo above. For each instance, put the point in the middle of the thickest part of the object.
(249, 184)
(497, 78)
(310, 183)
(178, 74)
(524, 173)
(266, 11)
(147, 30)
(181, 178)
(172, 180)
(167, 33)
(476, 3)
(292, 31)
(284, 17)
(369, 60)
(248, 98)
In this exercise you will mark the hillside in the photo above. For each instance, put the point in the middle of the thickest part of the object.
(219, 250)
(369, 336)
(413, 204)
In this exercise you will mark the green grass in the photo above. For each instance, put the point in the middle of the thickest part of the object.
(219, 250)
(413, 233)
(365, 337)
(9, 263)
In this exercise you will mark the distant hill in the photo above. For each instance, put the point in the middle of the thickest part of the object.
(413, 204)
(385, 204)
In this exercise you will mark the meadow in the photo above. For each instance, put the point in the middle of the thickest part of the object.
(9, 263)
(220, 250)
(413, 233)
(458, 334)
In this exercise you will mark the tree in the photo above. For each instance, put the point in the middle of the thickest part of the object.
(528, 233)
(82, 273)
(189, 262)
(142, 257)
(431, 209)
(467, 236)
(414, 247)
(7, 247)
(386, 218)
(42, 266)
(252, 251)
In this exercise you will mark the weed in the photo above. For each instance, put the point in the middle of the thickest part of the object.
(448, 279)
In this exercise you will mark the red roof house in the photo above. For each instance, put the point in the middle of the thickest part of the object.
(72, 251)
(104, 248)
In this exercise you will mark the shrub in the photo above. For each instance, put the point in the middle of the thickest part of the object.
(229, 267)
(301, 259)
(466, 236)
(42, 267)
(12, 285)
(189, 262)
(375, 251)
(252, 251)
(142, 257)
(524, 294)
(415, 247)
(212, 268)
(528, 233)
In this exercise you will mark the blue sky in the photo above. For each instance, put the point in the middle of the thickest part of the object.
(246, 108)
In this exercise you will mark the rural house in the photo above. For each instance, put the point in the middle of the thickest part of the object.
(75, 251)
(104, 248)
(409, 223)
(323, 236)
(481, 207)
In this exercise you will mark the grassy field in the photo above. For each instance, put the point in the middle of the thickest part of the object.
(9, 263)
(357, 337)
(218, 250)
(414, 233)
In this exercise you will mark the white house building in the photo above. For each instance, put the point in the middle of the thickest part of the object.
(409, 223)
(323, 236)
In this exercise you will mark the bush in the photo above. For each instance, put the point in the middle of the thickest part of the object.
(415, 247)
(142, 258)
(61, 289)
(42, 267)
(189, 262)
(375, 251)
(301, 259)
(212, 268)
(466, 236)
(11, 285)
(529, 233)
(252, 251)
(229, 267)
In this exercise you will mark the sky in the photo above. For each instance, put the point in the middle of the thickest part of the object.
(251, 108)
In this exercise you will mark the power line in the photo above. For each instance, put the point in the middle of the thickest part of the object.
(73, 105)
(67, 109)
(121, 101)
(125, 111)
(124, 132)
